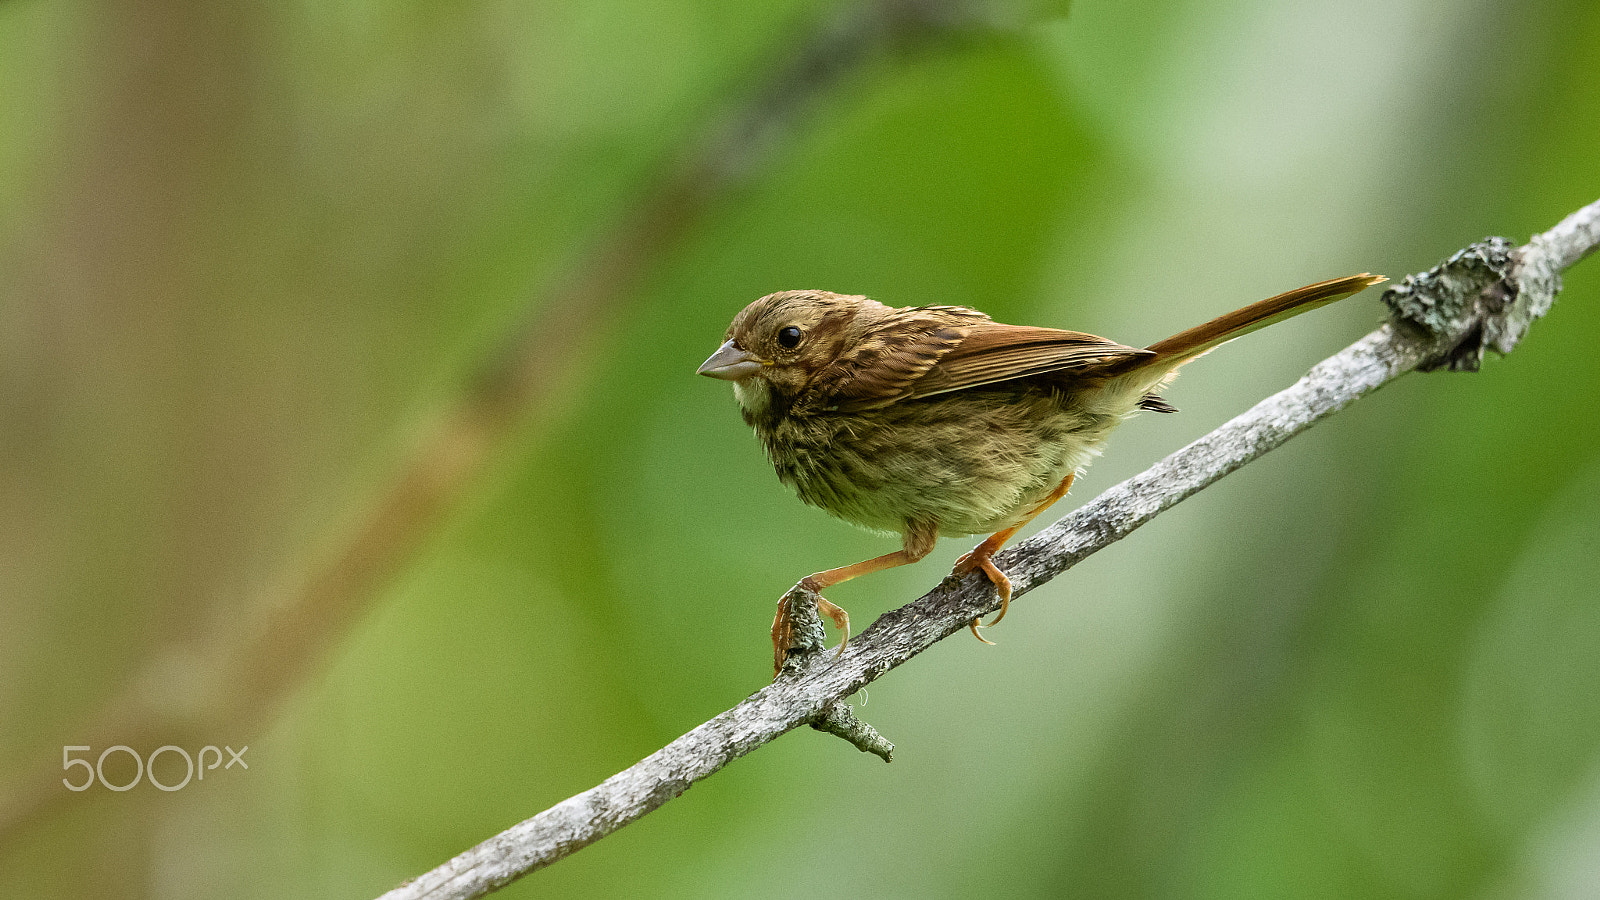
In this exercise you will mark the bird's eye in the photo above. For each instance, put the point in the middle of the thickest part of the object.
(789, 338)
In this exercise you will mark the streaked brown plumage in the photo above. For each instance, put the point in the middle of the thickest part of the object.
(936, 420)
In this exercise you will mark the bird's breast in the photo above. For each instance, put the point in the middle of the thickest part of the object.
(970, 462)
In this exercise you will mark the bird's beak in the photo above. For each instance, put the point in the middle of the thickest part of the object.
(729, 363)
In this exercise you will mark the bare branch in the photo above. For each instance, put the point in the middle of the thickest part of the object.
(1484, 296)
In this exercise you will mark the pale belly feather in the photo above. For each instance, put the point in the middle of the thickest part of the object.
(925, 461)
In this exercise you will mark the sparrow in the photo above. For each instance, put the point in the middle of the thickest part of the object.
(930, 421)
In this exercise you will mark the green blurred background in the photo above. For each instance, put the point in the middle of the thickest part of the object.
(249, 252)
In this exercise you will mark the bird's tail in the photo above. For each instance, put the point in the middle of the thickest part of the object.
(1183, 347)
(1139, 377)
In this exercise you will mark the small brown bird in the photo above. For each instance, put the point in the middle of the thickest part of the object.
(936, 420)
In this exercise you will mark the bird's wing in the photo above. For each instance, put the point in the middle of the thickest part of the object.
(892, 354)
(993, 352)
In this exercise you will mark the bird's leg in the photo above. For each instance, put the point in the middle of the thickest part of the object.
(982, 556)
(919, 540)
(783, 626)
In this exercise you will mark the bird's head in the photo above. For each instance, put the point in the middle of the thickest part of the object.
(777, 344)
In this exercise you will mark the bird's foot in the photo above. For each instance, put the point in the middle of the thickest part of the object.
(982, 557)
(785, 629)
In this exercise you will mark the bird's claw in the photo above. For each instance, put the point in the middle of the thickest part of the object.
(983, 559)
(783, 626)
(841, 621)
